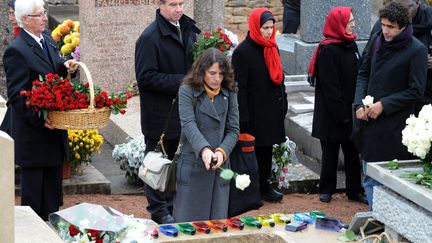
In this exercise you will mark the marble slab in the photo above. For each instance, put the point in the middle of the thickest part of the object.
(7, 178)
(301, 108)
(30, 228)
(418, 194)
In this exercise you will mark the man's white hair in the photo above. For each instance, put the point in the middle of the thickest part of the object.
(25, 7)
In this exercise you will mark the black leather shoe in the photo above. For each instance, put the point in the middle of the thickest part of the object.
(166, 219)
(326, 197)
(361, 197)
(272, 196)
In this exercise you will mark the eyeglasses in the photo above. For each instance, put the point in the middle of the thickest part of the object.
(44, 14)
(11, 12)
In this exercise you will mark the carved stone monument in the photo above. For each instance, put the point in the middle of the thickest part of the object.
(109, 30)
(209, 14)
(296, 51)
(7, 189)
(5, 38)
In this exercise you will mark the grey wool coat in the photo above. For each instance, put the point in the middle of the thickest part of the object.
(202, 194)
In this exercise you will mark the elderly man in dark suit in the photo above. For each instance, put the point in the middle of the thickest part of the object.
(163, 55)
(39, 149)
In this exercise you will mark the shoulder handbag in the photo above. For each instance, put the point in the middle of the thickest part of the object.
(156, 170)
(243, 161)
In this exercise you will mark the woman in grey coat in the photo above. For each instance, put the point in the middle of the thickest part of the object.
(209, 120)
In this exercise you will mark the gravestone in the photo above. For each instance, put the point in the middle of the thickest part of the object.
(109, 30)
(209, 14)
(5, 38)
(296, 51)
(7, 189)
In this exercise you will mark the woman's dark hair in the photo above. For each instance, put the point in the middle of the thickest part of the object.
(195, 77)
(395, 12)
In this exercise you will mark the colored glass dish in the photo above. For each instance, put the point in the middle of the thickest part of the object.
(251, 221)
(168, 230)
(218, 225)
(235, 223)
(266, 220)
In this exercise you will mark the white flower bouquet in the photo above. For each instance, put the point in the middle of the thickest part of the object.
(93, 223)
(130, 156)
(283, 156)
(417, 137)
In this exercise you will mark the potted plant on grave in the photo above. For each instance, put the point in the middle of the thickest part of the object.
(82, 145)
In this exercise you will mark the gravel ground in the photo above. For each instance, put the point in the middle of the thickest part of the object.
(340, 207)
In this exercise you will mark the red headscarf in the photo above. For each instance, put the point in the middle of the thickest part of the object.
(271, 54)
(334, 32)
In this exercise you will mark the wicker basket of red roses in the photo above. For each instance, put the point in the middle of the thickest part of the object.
(74, 105)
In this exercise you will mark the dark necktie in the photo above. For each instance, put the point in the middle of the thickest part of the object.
(44, 47)
(179, 33)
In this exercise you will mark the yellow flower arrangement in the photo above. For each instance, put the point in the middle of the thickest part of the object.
(82, 144)
(67, 35)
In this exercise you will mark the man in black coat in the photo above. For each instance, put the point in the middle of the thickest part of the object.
(40, 150)
(291, 16)
(421, 16)
(394, 73)
(163, 55)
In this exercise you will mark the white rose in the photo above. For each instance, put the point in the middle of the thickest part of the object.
(426, 113)
(242, 181)
(368, 101)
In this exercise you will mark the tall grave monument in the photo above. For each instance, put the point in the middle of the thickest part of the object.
(296, 52)
(109, 30)
(209, 14)
(5, 39)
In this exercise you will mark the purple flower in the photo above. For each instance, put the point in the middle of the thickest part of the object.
(76, 53)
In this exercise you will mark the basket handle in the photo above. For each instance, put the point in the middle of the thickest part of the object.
(90, 80)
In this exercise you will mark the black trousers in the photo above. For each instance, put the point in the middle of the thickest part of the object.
(291, 21)
(41, 189)
(160, 203)
(264, 159)
(329, 162)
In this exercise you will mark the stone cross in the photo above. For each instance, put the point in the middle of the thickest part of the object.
(7, 189)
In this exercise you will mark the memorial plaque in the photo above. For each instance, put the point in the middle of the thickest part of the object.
(109, 30)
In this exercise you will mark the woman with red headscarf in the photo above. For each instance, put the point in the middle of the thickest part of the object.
(262, 98)
(334, 66)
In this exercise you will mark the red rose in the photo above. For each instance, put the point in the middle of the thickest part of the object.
(73, 230)
(93, 233)
(285, 169)
(99, 240)
(122, 111)
(23, 93)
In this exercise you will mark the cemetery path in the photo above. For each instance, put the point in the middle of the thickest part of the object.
(340, 207)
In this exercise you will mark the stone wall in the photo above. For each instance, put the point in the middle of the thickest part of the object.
(237, 12)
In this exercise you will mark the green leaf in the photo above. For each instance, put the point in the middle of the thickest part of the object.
(392, 165)
(347, 236)
(227, 174)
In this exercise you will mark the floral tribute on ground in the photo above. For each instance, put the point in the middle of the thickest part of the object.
(90, 223)
(283, 157)
(82, 145)
(53, 93)
(417, 137)
(130, 156)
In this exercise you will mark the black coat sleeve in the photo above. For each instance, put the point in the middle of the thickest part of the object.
(148, 72)
(241, 70)
(330, 84)
(416, 85)
(18, 74)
